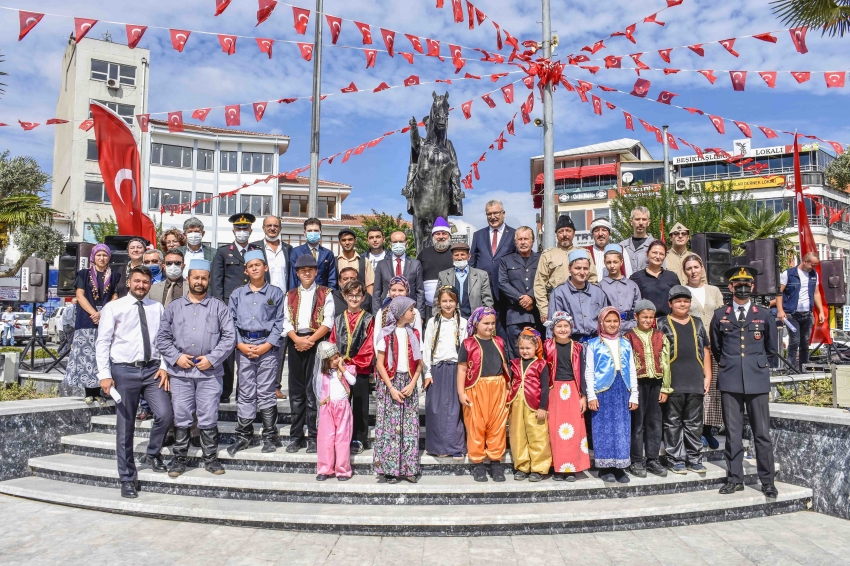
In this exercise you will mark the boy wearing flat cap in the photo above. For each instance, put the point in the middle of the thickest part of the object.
(471, 285)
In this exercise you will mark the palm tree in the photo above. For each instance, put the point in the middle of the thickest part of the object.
(745, 224)
(22, 210)
(831, 16)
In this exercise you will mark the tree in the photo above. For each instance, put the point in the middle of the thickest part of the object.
(39, 240)
(745, 224)
(838, 172)
(20, 175)
(831, 16)
(21, 181)
(104, 227)
(388, 224)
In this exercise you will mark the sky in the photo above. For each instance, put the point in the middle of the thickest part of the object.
(203, 76)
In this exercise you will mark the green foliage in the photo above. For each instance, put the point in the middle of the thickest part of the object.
(21, 209)
(40, 353)
(831, 16)
(15, 392)
(20, 175)
(745, 224)
(697, 209)
(39, 240)
(814, 393)
(105, 227)
(388, 224)
(838, 172)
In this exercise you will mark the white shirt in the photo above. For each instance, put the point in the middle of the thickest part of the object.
(401, 364)
(336, 392)
(698, 293)
(305, 310)
(804, 302)
(39, 320)
(500, 231)
(394, 259)
(736, 308)
(374, 259)
(590, 368)
(189, 256)
(119, 333)
(445, 351)
(379, 323)
(276, 261)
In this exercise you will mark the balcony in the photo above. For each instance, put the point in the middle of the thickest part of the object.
(817, 180)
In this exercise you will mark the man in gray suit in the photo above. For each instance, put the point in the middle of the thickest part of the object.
(174, 285)
(471, 285)
(398, 263)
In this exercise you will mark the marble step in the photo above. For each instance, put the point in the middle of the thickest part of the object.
(227, 411)
(365, 489)
(651, 511)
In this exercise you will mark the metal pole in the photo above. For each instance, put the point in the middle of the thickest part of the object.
(666, 157)
(313, 196)
(548, 141)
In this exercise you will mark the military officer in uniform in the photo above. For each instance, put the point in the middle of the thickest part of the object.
(516, 283)
(743, 337)
(228, 273)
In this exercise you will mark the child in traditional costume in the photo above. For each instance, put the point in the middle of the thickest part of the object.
(444, 432)
(611, 393)
(482, 387)
(529, 401)
(397, 419)
(399, 287)
(651, 351)
(333, 383)
(568, 402)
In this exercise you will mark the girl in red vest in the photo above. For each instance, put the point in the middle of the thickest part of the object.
(568, 402)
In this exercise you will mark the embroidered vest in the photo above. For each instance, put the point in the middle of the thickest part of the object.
(529, 381)
(391, 342)
(657, 341)
(473, 362)
(350, 340)
(293, 298)
(604, 372)
(550, 351)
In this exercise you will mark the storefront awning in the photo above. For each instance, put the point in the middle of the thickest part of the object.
(581, 172)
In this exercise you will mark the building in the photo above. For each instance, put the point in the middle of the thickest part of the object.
(92, 70)
(293, 211)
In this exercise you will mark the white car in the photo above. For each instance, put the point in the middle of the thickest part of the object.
(54, 325)
(23, 325)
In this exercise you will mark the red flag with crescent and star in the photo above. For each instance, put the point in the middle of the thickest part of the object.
(28, 21)
(300, 19)
(179, 37)
(265, 45)
(175, 122)
(232, 115)
(335, 25)
(134, 35)
(259, 110)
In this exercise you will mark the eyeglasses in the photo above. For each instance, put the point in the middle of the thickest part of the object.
(173, 263)
(354, 297)
(489, 214)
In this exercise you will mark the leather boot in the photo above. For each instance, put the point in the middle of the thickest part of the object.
(209, 448)
(244, 435)
(180, 448)
(271, 439)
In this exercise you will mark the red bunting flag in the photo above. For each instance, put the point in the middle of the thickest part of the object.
(651, 19)
(529, 103)
(134, 35)
(480, 16)
(359, 149)
(496, 76)
(265, 45)
(511, 40)
(55, 121)
(417, 44)
(29, 20)
(529, 81)
(380, 87)
(228, 43)
(412, 80)
(175, 122)
(798, 36)
(801, 76)
(697, 48)
(839, 149)
(768, 133)
(834, 80)
(407, 56)
(744, 127)
(287, 100)
(510, 126)
(766, 37)
(665, 54)
(613, 62)
(300, 19)
(366, 31)
(739, 79)
(729, 44)
(264, 10)
(27, 126)
(335, 25)
(447, 81)
(709, 74)
(501, 141)
(610, 106)
(628, 33)
(347, 155)
(371, 55)
(647, 126)
(466, 108)
(201, 114)
(457, 10)
(490, 102)
(232, 114)
(567, 84)
(143, 120)
(470, 9)
(695, 111)
(597, 104)
(769, 78)
(433, 48)
(389, 40)
(498, 36)
(671, 142)
(668, 71)
(456, 52)
(179, 37)
(666, 96)
(221, 6)
(87, 125)
(350, 88)
(259, 110)
(474, 77)
(641, 88)
(508, 92)
(582, 94)
(475, 171)
(671, 3)
(606, 88)
(306, 51)
(718, 123)
(629, 122)
(593, 70)
(596, 47)
(640, 64)
(82, 27)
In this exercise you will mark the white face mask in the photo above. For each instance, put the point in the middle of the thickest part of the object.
(461, 265)
(242, 236)
(399, 248)
(194, 238)
(173, 271)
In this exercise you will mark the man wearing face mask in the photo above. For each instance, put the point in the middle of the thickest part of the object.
(174, 285)
(435, 259)
(471, 285)
(228, 273)
(398, 263)
(325, 260)
(153, 261)
(742, 338)
(193, 229)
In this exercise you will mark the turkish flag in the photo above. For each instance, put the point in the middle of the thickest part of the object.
(335, 25)
(729, 44)
(412, 80)
(665, 97)
(613, 62)
(508, 92)
(259, 110)
(457, 10)
(371, 55)
(264, 10)
(306, 51)
(475, 171)
(739, 79)
(473, 77)
(630, 125)
(480, 16)
(471, 12)
(221, 6)
(82, 27)
(769, 78)
(606, 88)
(501, 141)
(265, 45)
(28, 21)
(671, 142)
(27, 126)
(765, 37)
(640, 64)
(179, 37)
(490, 102)
(366, 31)
(300, 19)
(671, 3)
(417, 44)
(596, 47)
(511, 40)
(839, 149)
(134, 35)
(529, 81)
(201, 114)
(801, 76)
(54, 121)
(389, 40)
(665, 54)
(228, 43)
(347, 155)
(382, 86)
(407, 56)
(529, 103)
(768, 133)
(496, 76)
(697, 48)
(510, 126)
(498, 36)
(350, 88)
(610, 106)
(651, 20)
(669, 71)
(466, 108)
(695, 111)
(834, 80)
(744, 127)
(175, 122)
(118, 158)
(597, 104)
(232, 115)
(359, 149)
(144, 121)
(287, 100)
(640, 89)
(709, 74)
(798, 36)
(647, 126)
(433, 47)
(456, 52)
(718, 123)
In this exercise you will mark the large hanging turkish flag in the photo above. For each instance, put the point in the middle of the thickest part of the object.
(118, 158)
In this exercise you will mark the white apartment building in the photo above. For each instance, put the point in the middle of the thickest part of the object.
(293, 211)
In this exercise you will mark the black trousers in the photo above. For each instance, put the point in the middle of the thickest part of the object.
(133, 383)
(683, 417)
(302, 398)
(284, 343)
(733, 419)
(799, 341)
(360, 407)
(646, 421)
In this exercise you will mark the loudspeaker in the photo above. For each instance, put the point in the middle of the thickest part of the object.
(34, 278)
(76, 257)
(118, 244)
(763, 256)
(715, 249)
(832, 274)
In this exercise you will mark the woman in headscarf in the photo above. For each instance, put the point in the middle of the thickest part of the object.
(399, 287)
(396, 447)
(95, 287)
(611, 393)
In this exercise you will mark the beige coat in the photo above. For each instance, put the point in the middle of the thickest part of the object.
(713, 301)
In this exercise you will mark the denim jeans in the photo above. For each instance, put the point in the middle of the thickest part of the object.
(8, 334)
(799, 340)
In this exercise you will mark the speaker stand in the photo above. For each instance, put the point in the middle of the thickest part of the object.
(31, 344)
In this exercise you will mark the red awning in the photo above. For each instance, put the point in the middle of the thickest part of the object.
(581, 172)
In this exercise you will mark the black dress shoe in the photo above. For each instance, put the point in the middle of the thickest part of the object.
(294, 446)
(224, 399)
(128, 489)
(769, 490)
(155, 462)
(497, 472)
(479, 472)
(731, 487)
(357, 447)
(311, 446)
(322, 477)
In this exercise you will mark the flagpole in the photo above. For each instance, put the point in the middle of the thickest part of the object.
(313, 195)
(548, 141)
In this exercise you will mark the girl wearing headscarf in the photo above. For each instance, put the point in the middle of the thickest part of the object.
(529, 401)
(95, 287)
(333, 381)
(396, 447)
(399, 287)
(568, 403)
(611, 393)
(482, 387)
(444, 435)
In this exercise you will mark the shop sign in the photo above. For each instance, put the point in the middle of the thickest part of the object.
(768, 181)
(583, 195)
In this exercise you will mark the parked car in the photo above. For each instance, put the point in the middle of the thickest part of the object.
(54, 325)
(23, 325)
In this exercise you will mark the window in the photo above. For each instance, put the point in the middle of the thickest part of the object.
(91, 150)
(256, 162)
(171, 155)
(123, 110)
(227, 205)
(205, 159)
(203, 207)
(327, 207)
(608, 159)
(168, 197)
(228, 161)
(579, 219)
(96, 193)
(294, 206)
(651, 176)
(600, 213)
(257, 205)
(124, 74)
(590, 161)
(774, 205)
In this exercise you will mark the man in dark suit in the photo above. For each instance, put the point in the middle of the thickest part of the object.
(228, 273)
(327, 276)
(516, 284)
(743, 337)
(489, 246)
(398, 263)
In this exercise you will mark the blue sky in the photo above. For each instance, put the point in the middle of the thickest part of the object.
(203, 76)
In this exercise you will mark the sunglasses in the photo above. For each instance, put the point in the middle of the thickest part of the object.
(679, 233)
(173, 263)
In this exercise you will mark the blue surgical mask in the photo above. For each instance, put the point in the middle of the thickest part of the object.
(314, 237)
(155, 270)
(398, 248)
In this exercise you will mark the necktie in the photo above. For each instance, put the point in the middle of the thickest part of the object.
(398, 267)
(315, 253)
(741, 316)
(243, 254)
(146, 337)
(495, 243)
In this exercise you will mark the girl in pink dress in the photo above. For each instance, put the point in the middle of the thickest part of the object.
(333, 388)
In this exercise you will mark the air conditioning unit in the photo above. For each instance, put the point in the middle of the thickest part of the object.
(682, 184)
(112, 83)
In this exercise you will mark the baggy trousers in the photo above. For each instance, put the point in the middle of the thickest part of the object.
(302, 398)
(683, 427)
(334, 439)
(487, 419)
(256, 383)
(198, 395)
(733, 419)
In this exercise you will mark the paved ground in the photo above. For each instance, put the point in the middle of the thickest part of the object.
(38, 533)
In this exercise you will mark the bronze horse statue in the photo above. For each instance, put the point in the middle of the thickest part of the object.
(433, 177)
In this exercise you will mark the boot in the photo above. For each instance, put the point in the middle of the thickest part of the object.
(180, 448)
(271, 439)
(209, 448)
(244, 435)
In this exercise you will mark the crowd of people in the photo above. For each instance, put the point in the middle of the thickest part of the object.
(613, 347)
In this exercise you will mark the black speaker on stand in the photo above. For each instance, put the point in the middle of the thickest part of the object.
(75, 258)
(832, 274)
(763, 255)
(715, 249)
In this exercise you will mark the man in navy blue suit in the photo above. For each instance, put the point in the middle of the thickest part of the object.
(325, 259)
(489, 246)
